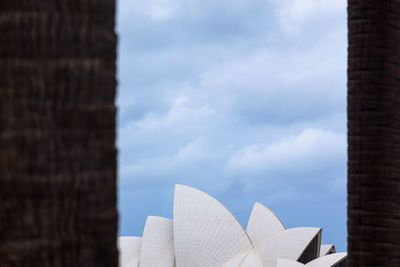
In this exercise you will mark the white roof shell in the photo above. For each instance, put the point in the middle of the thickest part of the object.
(288, 244)
(327, 249)
(157, 243)
(168, 260)
(328, 260)
(262, 223)
(251, 260)
(129, 250)
(205, 232)
(237, 259)
(325, 261)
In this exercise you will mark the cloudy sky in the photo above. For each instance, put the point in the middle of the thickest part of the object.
(245, 100)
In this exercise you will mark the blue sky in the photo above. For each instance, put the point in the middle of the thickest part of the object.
(245, 100)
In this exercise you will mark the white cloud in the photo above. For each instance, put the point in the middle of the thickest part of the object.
(157, 10)
(182, 113)
(307, 150)
(193, 153)
(155, 135)
(278, 85)
(293, 15)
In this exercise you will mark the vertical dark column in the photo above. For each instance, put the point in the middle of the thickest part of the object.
(57, 133)
(374, 133)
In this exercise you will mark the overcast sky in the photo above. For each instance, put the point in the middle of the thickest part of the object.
(243, 99)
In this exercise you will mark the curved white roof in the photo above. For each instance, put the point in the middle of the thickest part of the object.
(262, 223)
(288, 263)
(248, 258)
(129, 250)
(251, 260)
(327, 249)
(237, 259)
(168, 260)
(325, 261)
(288, 244)
(328, 260)
(157, 242)
(205, 232)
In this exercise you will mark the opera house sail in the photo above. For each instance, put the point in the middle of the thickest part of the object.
(204, 233)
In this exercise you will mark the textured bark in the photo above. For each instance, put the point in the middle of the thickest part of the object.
(57, 133)
(374, 133)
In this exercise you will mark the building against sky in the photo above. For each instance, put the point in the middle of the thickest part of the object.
(245, 100)
(204, 233)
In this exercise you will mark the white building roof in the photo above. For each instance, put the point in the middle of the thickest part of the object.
(325, 261)
(168, 260)
(157, 243)
(237, 259)
(205, 232)
(262, 223)
(287, 244)
(327, 249)
(328, 260)
(129, 250)
(251, 260)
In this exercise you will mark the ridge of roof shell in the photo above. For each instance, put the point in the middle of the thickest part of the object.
(287, 244)
(262, 223)
(157, 242)
(327, 249)
(251, 260)
(211, 197)
(206, 233)
(236, 260)
(129, 250)
(328, 260)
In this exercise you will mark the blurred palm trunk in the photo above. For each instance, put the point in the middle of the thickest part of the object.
(57, 133)
(374, 133)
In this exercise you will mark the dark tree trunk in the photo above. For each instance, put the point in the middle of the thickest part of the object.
(374, 133)
(57, 133)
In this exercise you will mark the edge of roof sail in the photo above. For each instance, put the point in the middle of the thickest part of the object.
(168, 259)
(318, 247)
(157, 241)
(287, 244)
(206, 233)
(237, 259)
(326, 249)
(325, 261)
(251, 260)
(262, 223)
(328, 260)
(129, 249)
